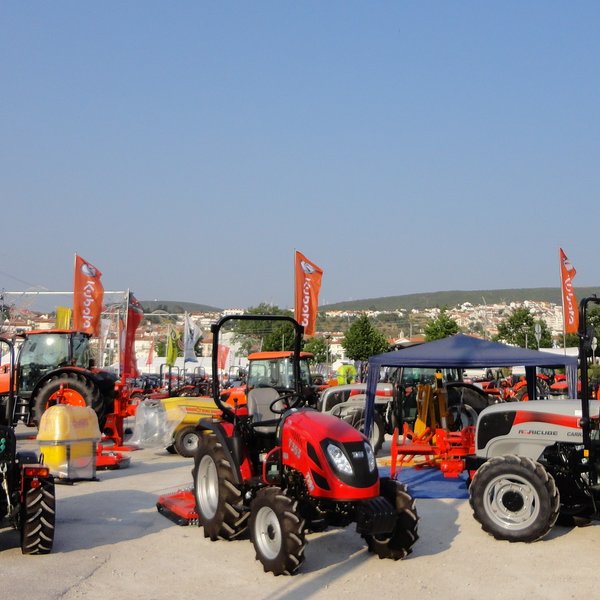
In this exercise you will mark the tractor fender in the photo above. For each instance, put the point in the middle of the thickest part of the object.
(231, 446)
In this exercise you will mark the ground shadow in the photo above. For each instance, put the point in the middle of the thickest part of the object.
(334, 554)
(98, 518)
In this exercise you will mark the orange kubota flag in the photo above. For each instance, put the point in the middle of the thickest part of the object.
(88, 295)
(308, 284)
(570, 311)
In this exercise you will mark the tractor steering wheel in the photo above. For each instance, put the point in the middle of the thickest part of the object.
(285, 404)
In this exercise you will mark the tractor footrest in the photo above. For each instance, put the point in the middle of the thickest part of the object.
(179, 507)
(375, 516)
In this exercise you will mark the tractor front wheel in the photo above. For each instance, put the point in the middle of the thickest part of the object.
(69, 388)
(37, 518)
(276, 531)
(514, 498)
(399, 542)
(218, 498)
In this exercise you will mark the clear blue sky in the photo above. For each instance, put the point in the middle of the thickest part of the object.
(186, 148)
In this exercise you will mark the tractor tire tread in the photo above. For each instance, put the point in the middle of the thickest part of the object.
(37, 519)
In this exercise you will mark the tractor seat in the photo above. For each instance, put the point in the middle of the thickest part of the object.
(264, 420)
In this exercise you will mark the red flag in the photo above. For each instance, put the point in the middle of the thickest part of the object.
(308, 284)
(570, 311)
(150, 359)
(222, 356)
(128, 361)
(88, 294)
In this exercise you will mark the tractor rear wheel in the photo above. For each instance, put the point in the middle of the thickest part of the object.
(397, 544)
(514, 498)
(357, 420)
(77, 390)
(218, 498)
(37, 519)
(186, 441)
(276, 531)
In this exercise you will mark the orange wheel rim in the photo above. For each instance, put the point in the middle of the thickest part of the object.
(66, 396)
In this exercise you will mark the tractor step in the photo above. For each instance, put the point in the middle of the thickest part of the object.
(179, 507)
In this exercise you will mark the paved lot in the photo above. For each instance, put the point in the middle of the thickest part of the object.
(110, 541)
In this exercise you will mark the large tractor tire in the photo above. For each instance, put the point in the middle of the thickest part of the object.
(277, 531)
(461, 417)
(514, 498)
(37, 519)
(77, 390)
(356, 418)
(218, 498)
(186, 441)
(397, 544)
(461, 393)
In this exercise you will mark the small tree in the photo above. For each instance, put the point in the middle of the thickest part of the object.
(519, 329)
(362, 340)
(318, 347)
(440, 327)
(252, 335)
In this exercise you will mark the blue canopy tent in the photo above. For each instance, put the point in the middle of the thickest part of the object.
(462, 352)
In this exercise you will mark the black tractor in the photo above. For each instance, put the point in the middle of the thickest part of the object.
(26, 486)
(55, 366)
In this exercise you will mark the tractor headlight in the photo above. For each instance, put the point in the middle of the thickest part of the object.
(338, 459)
(370, 457)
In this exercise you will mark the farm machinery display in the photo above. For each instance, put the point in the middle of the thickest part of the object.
(539, 462)
(278, 468)
(530, 463)
(27, 498)
(56, 366)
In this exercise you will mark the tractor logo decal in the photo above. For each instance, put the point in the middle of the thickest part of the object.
(296, 451)
(310, 484)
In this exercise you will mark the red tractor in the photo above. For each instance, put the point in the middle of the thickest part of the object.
(280, 469)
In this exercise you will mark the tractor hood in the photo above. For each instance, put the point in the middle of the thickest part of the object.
(527, 428)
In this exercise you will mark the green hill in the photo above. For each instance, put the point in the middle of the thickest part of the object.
(409, 301)
(173, 306)
(456, 297)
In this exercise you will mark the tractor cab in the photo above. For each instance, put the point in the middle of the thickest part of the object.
(274, 369)
(42, 352)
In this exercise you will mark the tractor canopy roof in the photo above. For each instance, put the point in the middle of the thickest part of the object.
(465, 351)
(50, 332)
(277, 355)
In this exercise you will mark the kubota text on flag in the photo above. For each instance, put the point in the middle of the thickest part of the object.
(88, 295)
(308, 284)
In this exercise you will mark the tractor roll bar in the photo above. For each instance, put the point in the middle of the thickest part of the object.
(584, 345)
(215, 329)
